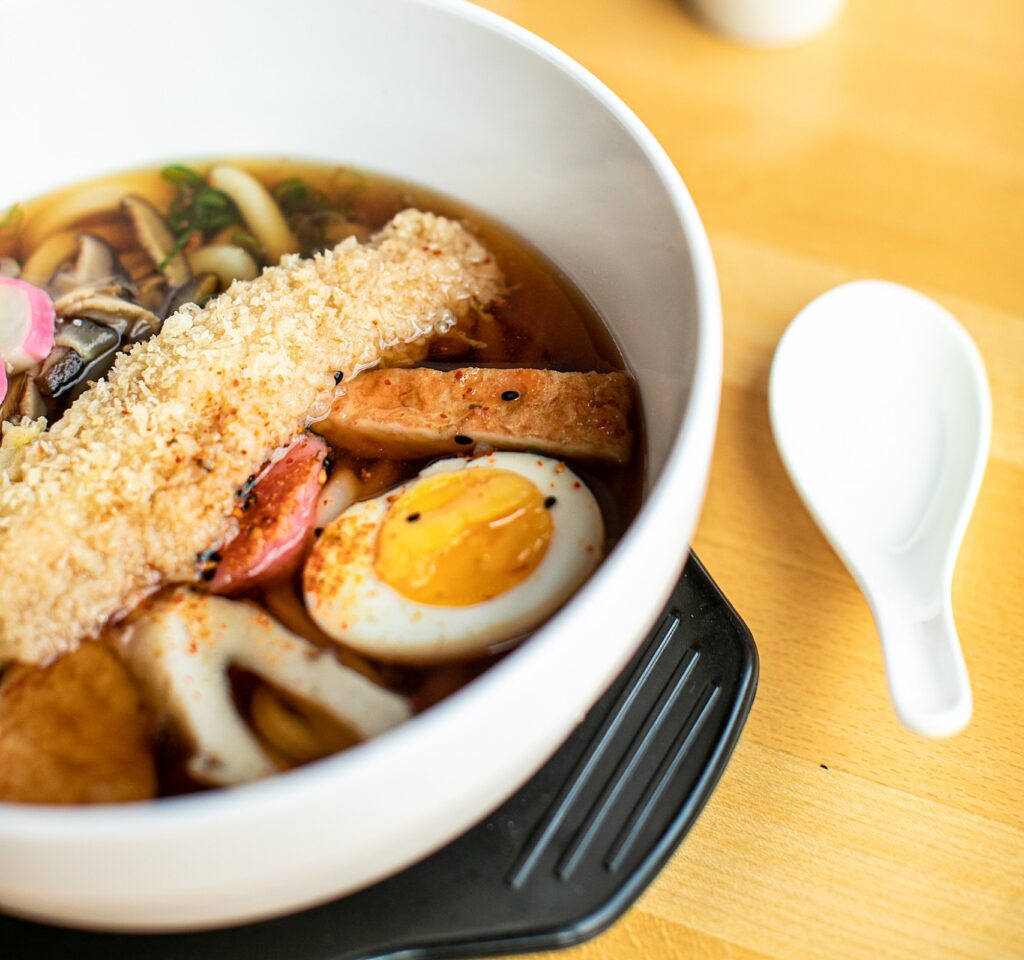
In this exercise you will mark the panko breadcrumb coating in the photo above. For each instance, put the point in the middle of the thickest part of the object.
(141, 474)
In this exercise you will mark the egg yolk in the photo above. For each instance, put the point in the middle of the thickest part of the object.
(460, 538)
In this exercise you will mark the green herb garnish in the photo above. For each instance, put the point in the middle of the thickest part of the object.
(307, 211)
(242, 238)
(179, 173)
(311, 212)
(196, 208)
(295, 196)
(10, 222)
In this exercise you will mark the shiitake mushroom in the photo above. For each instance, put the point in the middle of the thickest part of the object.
(23, 400)
(86, 338)
(156, 239)
(83, 351)
(95, 266)
(60, 371)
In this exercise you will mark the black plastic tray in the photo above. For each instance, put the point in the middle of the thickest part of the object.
(558, 862)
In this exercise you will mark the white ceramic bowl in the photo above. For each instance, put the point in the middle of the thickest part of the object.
(445, 94)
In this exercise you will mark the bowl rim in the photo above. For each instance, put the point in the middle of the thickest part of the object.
(93, 823)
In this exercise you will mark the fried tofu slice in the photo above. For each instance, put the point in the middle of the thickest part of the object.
(407, 414)
(141, 475)
(74, 732)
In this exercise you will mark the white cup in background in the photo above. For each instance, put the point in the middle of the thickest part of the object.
(769, 22)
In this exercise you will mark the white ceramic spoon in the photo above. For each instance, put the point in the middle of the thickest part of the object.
(881, 411)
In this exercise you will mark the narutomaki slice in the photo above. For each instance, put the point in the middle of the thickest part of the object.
(276, 520)
(26, 324)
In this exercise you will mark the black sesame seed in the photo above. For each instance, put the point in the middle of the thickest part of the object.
(412, 518)
(318, 532)
(338, 376)
(510, 395)
(463, 439)
(550, 502)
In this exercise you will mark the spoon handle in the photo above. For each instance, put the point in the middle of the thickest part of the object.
(927, 675)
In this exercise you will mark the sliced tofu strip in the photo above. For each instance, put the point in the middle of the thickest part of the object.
(406, 414)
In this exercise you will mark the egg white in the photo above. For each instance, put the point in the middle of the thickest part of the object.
(348, 602)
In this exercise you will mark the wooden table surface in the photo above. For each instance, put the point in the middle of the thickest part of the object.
(892, 147)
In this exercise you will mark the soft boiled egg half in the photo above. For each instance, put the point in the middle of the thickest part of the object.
(468, 555)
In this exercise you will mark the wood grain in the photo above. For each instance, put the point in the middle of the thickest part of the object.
(891, 147)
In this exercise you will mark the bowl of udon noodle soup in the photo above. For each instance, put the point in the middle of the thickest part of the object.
(360, 365)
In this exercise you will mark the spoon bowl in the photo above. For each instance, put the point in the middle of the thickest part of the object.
(881, 411)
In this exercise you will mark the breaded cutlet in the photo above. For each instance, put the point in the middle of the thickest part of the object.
(141, 474)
